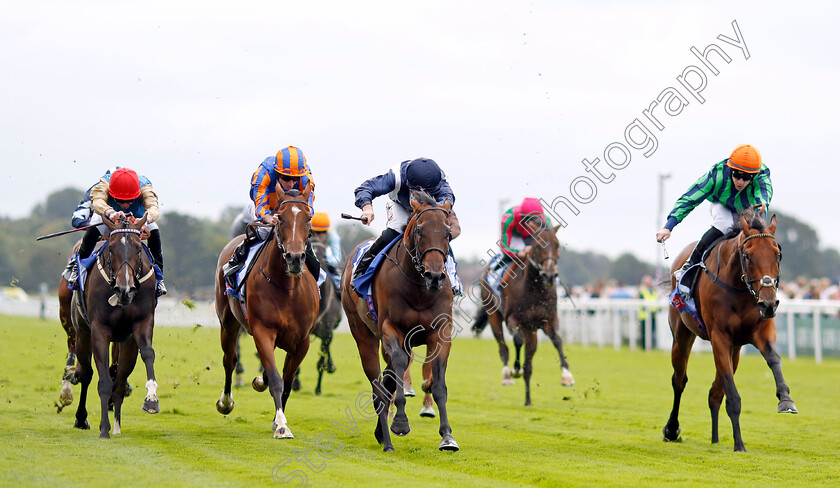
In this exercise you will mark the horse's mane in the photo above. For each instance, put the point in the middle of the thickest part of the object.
(752, 217)
(293, 193)
(423, 197)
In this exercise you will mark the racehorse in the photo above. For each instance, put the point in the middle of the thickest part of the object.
(736, 300)
(329, 316)
(281, 304)
(528, 304)
(118, 306)
(65, 298)
(413, 298)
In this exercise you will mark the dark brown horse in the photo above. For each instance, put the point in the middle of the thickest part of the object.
(120, 304)
(413, 299)
(528, 304)
(736, 300)
(65, 298)
(281, 303)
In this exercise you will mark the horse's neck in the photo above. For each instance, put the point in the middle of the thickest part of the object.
(403, 253)
(729, 264)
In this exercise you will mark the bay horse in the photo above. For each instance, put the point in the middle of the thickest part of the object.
(737, 308)
(413, 298)
(281, 304)
(528, 304)
(329, 316)
(65, 298)
(118, 306)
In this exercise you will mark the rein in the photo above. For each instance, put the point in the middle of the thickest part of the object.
(111, 277)
(280, 245)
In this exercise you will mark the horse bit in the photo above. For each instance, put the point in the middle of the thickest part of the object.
(766, 281)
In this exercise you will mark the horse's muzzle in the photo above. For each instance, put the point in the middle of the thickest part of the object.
(294, 262)
(125, 295)
(434, 281)
(768, 311)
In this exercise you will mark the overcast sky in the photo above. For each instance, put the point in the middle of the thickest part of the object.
(509, 97)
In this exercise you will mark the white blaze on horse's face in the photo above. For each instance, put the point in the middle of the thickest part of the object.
(295, 211)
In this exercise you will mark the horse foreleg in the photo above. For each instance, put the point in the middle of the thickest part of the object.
(143, 337)
(393, 377)
(722, 349)
(495, 320)
(126, 361)
(440, 393)
(518, 340)
(680, 351)
(566, 377)
(100, 341)
(230, 360)
(530, 338)
(767, 349)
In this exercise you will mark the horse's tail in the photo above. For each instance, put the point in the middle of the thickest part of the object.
(480, 321)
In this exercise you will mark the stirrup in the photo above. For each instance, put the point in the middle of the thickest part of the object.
(160, 290)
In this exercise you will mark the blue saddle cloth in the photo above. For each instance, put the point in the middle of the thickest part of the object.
(682, 299)
(239, 291)
(363, 283)
(88, 262)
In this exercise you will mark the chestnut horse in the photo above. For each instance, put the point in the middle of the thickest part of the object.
(281, 303)
(413, 299)
(736, 300)
(120, 302)
(528, 304)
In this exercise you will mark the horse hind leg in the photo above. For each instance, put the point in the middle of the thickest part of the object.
(85, 374)
(230, 360)
(427, 410)
(126, 362)
(518, 341)
(530, 348)
(715, 400)
(724, 363)
(100, 348)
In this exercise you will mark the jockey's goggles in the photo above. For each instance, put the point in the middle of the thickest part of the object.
(742, 175)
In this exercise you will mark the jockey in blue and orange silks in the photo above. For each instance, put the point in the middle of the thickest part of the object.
(289, 170)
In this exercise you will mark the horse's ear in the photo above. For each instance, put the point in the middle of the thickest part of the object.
(279, 190)
(557, 227)
(138, 224)
(771, 229)
(110, 224)
(447, 205)
(415, 204)
(307, 191)
(744, 224)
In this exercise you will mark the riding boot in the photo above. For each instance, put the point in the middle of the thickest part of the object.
(237, 259)
(708, 238)
(71, 272)
(384, 239)
(312, 263)
(155, 249)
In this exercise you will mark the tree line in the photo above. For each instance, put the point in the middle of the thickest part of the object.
(191, 249)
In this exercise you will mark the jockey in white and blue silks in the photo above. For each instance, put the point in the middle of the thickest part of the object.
(81, 216)
(417, 174)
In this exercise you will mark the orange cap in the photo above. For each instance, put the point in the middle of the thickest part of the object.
(745, 158)
(320, 222)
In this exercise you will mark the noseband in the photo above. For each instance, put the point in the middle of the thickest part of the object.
(417, 258)
(766, 282)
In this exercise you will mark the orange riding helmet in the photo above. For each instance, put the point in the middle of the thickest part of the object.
(124, 184)
(320, 222)
(291, 162)
(745, 158)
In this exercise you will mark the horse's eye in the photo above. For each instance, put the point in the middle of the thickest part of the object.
(746, 257)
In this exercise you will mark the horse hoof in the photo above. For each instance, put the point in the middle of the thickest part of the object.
(83, 425)
(151, 406)
(66, 395)
(508, 382)
(400, 427)
(388, 449)
(409, 392)
(427, 411)
(426, 386)
(105, 435)
(296, 385)
(566, 378)
(258, 384)
(238, 382)
(448, 444)
(671, 436)
(128, 390)
(317, 391)
(224, 409)
(787, 407)
(283, 433)
(517, 373)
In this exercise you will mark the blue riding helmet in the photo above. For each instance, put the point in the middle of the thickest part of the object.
(423, 174)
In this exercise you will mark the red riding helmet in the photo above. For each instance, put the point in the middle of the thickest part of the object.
(124, 184)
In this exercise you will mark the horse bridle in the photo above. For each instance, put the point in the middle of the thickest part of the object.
(766, 281)
(277, 234)
(417, 259)
(111, 276)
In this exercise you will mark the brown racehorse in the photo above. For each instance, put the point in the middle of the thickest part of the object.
(120, 303)
(413, 299)
(736, 298)
(281, 303)
(528, 304)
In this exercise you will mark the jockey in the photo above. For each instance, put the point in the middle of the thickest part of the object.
(288, 169)
(516, 238)
(117, 194)
(732, 185)
(81, 216)
(416, 174)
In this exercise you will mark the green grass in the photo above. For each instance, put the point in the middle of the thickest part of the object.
(605, 431)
